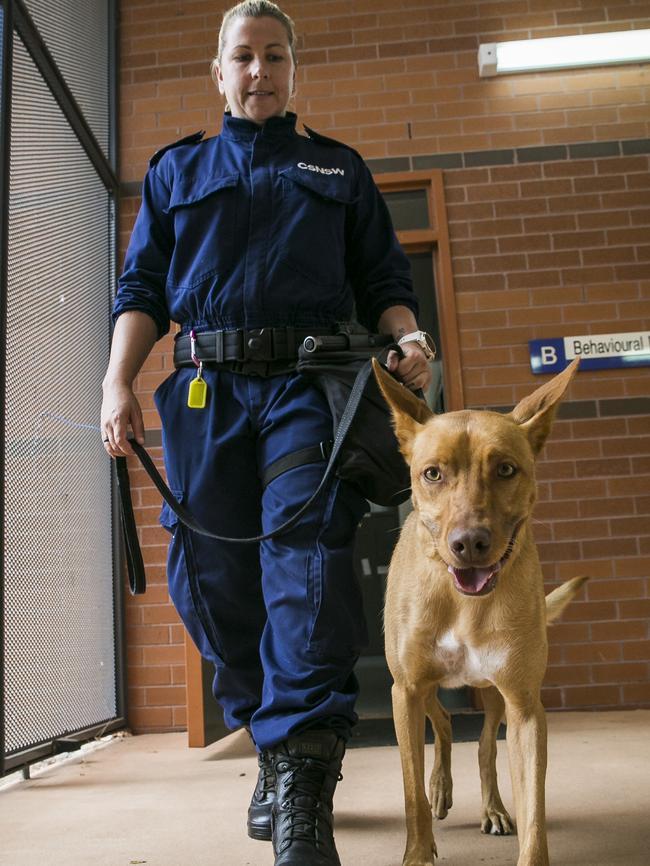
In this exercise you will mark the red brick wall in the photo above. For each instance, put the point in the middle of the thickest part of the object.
(540, 248)
(544, 250)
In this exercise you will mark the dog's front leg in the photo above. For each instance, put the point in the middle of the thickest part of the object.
(440, 784)
(409, 716)
(494, 817)
(526, 736)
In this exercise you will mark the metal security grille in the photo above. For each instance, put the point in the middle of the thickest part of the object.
(61, 647)
(75, 33)
(2, 26)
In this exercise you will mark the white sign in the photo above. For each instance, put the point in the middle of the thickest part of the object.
(607, 345)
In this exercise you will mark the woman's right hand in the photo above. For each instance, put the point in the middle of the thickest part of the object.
(133, 338)
(120, 410)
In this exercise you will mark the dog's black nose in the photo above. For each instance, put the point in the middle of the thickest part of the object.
(470, 544)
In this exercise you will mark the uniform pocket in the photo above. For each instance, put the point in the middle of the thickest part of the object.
(184, 581)
(313, 224)
(338, 628)
(204, 212)
(168, 518)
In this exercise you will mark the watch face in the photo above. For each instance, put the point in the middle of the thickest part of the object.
(431, 346)
(425, 341)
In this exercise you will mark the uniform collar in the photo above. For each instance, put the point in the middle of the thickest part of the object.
(274, 128)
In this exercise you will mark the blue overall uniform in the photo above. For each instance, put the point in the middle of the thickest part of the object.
(262, 227)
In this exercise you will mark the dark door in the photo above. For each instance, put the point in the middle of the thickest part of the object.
(380, 528)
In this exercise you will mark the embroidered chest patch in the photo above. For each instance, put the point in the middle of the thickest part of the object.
(306, 167)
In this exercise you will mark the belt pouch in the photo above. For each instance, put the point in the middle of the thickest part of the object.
(370, 458)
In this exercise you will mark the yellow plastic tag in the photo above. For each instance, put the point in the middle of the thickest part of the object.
(197, 396)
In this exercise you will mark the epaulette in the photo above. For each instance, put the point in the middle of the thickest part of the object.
(328, 142)
(195, 138)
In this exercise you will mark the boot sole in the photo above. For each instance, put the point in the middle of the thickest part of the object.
(263, 834)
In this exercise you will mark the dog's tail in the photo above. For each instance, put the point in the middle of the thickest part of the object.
(557, 600)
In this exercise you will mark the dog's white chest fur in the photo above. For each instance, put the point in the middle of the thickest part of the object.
(465, 664)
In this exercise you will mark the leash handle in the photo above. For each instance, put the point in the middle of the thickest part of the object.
(134, 563)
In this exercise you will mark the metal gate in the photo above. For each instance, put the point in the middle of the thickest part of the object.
(60, 657)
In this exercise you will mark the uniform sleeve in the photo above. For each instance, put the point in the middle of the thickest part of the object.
(379, 270)
(142, 283)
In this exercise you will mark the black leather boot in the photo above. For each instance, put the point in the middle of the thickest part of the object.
(307, 768)
(259, 811)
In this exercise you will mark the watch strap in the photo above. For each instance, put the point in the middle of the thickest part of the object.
(424, 341)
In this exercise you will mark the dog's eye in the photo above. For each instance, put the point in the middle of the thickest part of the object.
(506, 470)
(432, 473)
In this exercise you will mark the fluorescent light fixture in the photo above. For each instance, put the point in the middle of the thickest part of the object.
(564, 52)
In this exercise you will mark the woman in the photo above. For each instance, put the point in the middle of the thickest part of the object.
(252, 240)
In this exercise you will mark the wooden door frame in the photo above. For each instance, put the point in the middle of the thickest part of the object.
(204, 716)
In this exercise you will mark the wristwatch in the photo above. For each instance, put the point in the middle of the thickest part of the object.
(424, 341)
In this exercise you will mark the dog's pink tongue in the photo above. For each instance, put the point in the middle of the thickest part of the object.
(472, 579)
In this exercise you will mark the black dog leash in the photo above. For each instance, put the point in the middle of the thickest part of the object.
(135, 565)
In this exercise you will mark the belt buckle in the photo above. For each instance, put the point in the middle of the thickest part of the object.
(258, 344)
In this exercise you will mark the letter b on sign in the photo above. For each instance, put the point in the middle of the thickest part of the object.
(549, 355)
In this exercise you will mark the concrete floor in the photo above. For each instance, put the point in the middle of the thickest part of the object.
(150, 800)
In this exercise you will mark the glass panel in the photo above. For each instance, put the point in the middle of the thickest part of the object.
(409, 209)
(423, 284)
(77, 36)
(60, 645)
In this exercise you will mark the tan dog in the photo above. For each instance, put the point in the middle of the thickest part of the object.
(465, 605)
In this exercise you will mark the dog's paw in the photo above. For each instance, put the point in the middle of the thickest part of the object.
(420, 858)
(497, 822)
(429, 861)
(440, 789)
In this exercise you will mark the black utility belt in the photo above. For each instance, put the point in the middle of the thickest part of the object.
(244, 345)
(279, 347)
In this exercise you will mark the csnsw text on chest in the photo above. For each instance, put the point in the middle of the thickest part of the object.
(305, 167)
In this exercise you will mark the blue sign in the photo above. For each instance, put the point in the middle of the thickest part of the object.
(596, 352)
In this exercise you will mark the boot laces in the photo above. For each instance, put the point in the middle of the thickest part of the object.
(304, 783)
(267, 774)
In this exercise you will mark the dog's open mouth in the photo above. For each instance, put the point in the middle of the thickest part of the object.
(481, 581)
(475, 581)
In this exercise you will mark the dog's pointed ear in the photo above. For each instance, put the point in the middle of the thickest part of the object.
(409, 412)
(535, 413)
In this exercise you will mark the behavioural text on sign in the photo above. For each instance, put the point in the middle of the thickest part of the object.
(596, 351)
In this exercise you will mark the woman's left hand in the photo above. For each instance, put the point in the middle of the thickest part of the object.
(413, 369)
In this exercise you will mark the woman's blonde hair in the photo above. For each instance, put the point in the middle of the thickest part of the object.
(253, 9)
